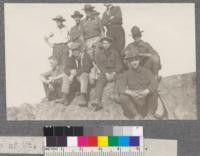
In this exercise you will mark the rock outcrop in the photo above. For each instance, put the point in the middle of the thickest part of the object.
(178, 92)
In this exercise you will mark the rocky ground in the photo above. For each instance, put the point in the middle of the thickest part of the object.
(178, 92)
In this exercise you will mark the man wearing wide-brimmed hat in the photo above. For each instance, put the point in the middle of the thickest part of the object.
(151, 59)
(58, 39)
(76, 34)
(112, 20)
(110, 65)
(92, 28)
(138, 92)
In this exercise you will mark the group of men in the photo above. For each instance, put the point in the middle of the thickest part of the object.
(92, 54)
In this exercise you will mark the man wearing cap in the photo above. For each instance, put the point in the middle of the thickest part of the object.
(77, 67)
(58, 39)
(109, 64)
(76, 31)
(92, 28)
(151, 59)
(83, 68)
(138, 92)
(112, 20)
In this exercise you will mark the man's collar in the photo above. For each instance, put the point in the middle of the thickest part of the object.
(138, 69)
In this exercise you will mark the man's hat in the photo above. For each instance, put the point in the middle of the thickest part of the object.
(77, 14)
(106, 39)
(136, 31)
(88, 7)
(75, 45)
(134, 52)
(59, 18)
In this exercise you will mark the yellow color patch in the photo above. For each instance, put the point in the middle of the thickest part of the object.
(102, 141)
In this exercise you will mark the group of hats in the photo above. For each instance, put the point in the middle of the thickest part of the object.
(77, 14)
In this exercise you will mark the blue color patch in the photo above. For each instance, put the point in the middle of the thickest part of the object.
(134, 141)
(124, 141)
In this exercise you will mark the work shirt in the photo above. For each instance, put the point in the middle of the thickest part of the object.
(60, 35)
(92, 27)
(75, 32)
(112, 16)
(142, 47)
(139, 79)
(108, 61)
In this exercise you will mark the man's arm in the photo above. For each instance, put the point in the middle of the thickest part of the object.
(46, 39)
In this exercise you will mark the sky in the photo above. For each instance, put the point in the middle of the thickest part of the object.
(169, 28)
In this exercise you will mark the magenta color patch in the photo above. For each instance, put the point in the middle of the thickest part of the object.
(82, 141)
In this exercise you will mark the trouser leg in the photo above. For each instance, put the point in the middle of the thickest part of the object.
(117, 33)
(152, 103)
(83, 79)
(101, 82)
(66, 84)
(128, 106)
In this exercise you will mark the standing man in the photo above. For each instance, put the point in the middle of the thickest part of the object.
(92, 28)
(109, 64)
(112, 20)
(151, 59)
(76, 31)
(138, 92)
(58, 40)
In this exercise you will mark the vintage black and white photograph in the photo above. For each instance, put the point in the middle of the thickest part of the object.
(100, 61)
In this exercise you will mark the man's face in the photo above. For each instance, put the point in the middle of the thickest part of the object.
(53, 63)
(59, 24)
(134, 62)
(136, 37)
(88, 13)
(77, 20)
(106, 44)
(76, 52)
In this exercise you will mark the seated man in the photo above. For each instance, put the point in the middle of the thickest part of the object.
(138, 91)
(83, 68)
(109, 64)
(151, 59)
(77, 68)
(52, 88)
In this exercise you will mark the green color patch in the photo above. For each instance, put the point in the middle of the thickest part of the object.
(113, 141)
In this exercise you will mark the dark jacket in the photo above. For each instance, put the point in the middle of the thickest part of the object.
(115, 11)
(138, 79)
(142, 47)
(108, 61)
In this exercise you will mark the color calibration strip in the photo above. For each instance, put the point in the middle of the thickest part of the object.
(93, 131)
(93, 151)
(93, 141)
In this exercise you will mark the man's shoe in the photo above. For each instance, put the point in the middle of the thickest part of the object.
(98, 108)
(115, 98)
(63, 100)
(83, 102)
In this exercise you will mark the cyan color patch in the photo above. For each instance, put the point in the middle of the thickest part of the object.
(124, 141)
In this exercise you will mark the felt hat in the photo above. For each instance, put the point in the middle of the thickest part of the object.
(59, 18)
(77, 14)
